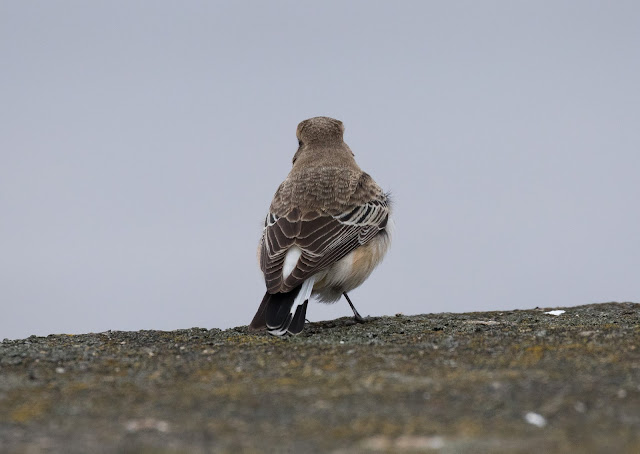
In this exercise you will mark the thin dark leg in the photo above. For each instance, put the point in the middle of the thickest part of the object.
(356, 315)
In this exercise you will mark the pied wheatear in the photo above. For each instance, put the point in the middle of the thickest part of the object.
(327, 229)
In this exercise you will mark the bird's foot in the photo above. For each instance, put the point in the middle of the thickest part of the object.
(360, 319)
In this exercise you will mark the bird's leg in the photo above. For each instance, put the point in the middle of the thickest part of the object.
(356, 315)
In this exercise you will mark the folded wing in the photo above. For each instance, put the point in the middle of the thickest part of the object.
(324, 234)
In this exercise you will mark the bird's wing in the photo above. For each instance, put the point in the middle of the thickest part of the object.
(323, 235)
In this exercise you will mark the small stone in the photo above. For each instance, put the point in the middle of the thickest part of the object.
(535, 419)
(556, 312)
(580, 407)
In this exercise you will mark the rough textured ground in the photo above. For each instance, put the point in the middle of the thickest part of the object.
(511, 381)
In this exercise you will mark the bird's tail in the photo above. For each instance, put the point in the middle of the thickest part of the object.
(283, 313)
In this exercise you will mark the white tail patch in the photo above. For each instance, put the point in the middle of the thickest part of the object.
(304, 294)
(290, 261)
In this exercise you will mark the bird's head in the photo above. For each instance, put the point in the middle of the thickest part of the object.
(318, 135)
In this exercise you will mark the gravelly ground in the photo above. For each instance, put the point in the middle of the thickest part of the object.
(511, 381)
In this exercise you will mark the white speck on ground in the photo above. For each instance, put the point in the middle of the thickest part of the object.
(556, 312)
(535, 419)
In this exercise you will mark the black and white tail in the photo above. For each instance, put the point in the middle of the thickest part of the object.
(283, 313)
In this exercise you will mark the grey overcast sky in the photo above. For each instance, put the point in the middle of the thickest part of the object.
(141, 143)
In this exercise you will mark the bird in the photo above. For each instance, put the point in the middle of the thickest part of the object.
(327, 228)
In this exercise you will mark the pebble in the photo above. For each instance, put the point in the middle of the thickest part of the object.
(536, 419)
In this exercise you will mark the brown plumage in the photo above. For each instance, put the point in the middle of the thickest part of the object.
(326, 230)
